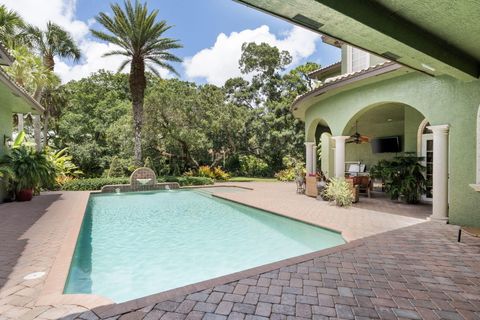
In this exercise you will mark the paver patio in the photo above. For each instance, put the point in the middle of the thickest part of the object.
(418, 271)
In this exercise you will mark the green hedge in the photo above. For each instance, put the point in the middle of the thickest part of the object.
(92, 184)
(98, 183)
(188, 181)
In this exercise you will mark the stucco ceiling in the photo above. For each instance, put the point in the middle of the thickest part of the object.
(385, 113)
(433, 36)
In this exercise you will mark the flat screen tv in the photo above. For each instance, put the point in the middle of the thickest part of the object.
(386, 144)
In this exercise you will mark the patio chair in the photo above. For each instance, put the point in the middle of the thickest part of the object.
(300, 182)
(475, 232)
(364, 184)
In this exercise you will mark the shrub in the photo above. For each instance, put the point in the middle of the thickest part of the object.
(116, 169)
(97, 183)
(219, 174)
(253, 166)
(187, 181)
(293, 168)
(339, 191)
(92, 184)
(205, 171)
(148, 163)
(65, 169)
(403, 177)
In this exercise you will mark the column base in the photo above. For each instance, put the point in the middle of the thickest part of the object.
(437, 219)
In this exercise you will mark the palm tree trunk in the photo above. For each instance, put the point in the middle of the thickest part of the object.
(137, 83)
(49, 62)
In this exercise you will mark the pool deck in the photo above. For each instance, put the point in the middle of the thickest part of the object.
(396, 266)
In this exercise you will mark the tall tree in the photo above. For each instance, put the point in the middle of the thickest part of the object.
(11, 27)
(52, 42)
(141, 39)
(29, 71)
(49, 43)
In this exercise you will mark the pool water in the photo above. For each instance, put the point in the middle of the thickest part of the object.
(136, 244)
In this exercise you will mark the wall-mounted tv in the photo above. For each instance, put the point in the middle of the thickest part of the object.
(386, 144)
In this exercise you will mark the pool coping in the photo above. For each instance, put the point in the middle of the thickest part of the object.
(52, 292)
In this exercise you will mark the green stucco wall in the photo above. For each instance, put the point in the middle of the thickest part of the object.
(442, 100)
(413, 120)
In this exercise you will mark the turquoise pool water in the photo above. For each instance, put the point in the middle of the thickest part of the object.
(136, 244)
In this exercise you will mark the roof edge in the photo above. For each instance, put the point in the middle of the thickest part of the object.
(319, 72)
(20, 92)
(376, 70)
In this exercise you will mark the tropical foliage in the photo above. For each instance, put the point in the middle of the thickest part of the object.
(141, 40)
(244, 127)
(404, 177)
(339, 191)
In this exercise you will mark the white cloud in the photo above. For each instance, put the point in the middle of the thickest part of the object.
(62, 12)
(220, 62)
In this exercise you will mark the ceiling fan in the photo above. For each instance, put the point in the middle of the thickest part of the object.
(357, 138)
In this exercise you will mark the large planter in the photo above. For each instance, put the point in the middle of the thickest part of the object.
(25, 195)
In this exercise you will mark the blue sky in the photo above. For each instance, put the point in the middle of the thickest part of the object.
(197, 24)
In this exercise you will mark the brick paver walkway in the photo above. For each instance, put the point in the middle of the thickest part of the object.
(419, 271)
(31, 235)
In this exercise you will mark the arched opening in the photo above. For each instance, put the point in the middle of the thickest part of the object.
(318, 137)
(385, 130)
(382, 132)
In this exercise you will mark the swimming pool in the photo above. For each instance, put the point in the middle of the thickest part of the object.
(136, 244)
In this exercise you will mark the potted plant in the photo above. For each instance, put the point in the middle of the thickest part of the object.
(31, 169)
(404, 177)
(28, 169)
(338, 190)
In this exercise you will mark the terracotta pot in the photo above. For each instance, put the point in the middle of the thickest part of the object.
(25, 195)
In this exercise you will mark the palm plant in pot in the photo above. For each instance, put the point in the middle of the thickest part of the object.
(30, 169)
(404, 177)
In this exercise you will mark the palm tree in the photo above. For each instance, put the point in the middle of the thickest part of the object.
(11, 27)
(52, 42)
(140, 39)
(29, 71)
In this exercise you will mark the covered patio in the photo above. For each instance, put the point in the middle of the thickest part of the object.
(362, 118)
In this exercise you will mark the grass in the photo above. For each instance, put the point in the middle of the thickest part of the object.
(251, 179)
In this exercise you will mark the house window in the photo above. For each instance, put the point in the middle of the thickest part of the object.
(357, 59)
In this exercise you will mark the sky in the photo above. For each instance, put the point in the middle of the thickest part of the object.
(211, 32)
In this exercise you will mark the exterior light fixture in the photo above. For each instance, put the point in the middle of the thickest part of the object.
(389, 120)
(426, 66)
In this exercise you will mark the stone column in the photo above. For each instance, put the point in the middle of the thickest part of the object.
(440, 172)
(340, 156)
(37, 132)
(314, 158)
(308, 157)
(20, 122)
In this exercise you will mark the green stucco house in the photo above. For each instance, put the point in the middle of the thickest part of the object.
(13, 99)
(409, 71)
